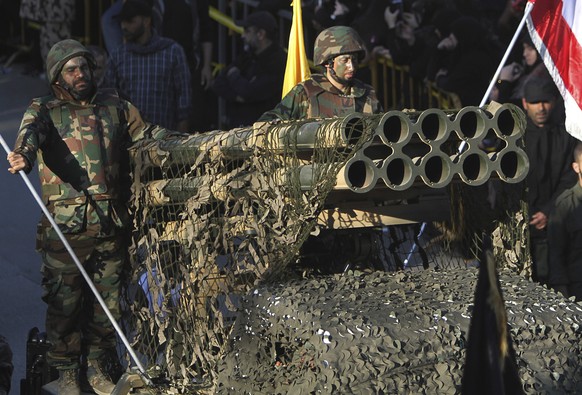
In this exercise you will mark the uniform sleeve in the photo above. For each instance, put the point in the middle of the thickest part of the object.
(138, 129)
(33, 133)
(558, 242)
(293, 106)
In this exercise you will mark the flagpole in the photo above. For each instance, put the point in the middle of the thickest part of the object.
(79, 266)
(527, 11)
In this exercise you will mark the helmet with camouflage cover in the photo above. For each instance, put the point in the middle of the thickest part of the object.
(61, 53)
(335, 41)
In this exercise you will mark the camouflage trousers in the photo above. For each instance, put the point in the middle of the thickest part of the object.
(75, 321)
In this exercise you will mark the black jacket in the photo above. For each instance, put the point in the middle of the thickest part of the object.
(549, 149)
(258, 81)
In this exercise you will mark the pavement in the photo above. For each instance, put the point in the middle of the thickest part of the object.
(21, 307)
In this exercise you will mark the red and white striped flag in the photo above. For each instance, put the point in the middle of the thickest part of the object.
(555, 27)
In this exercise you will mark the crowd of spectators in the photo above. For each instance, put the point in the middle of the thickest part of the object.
(454, 44)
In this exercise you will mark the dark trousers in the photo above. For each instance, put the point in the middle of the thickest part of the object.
(539, 255)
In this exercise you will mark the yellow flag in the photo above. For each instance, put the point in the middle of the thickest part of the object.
(297, 68)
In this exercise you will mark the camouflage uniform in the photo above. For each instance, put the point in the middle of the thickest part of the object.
(79, 150)
(317, 97)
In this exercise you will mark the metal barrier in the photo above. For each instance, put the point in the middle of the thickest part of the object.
(397, 89)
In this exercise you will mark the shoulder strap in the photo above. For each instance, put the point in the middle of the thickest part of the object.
(312, 90)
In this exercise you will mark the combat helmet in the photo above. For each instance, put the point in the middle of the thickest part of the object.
(335, 41)
(61, 53)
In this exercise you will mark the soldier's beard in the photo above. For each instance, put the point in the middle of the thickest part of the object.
(82, 93)
(345, 82)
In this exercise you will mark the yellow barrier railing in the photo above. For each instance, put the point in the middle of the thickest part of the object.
(397, 89)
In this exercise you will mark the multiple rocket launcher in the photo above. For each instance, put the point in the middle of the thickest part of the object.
(402, 149)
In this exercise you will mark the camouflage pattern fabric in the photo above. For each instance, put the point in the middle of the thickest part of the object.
(317, 97)
(80, 152)
(215, 213)
(55, 17)
(218, 215)
(393, 333)
(48, 10)
(71, 308)
(92, 160)
(51, 33)
(61, 53)
(335, 41)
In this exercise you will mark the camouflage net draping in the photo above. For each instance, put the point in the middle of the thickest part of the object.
(393, 333)
(219, 213)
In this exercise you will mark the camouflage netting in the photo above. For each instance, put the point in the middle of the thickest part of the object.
(221, 213)
(393, 333)
(215, 214)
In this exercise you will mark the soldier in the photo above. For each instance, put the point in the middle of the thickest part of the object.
(78, 134)
(338, 49)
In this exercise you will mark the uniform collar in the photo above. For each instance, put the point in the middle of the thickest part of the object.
(62, 96)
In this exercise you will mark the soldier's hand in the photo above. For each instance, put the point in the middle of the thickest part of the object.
(17, 162)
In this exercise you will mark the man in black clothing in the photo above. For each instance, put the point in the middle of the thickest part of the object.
(565, 236)
(549, 148)
(253, 83)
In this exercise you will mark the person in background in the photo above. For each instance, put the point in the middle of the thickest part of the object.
(188, 23)
(151, 70)
(513, 77)
(111, 28)
(252, 84)
(465, 61)
(565, 236)
(549, 147)
(337, 92)
(80, 136)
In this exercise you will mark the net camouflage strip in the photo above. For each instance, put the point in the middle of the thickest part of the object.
(216, 214)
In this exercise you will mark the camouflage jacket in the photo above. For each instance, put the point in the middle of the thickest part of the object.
(317, 97)
(81, 150)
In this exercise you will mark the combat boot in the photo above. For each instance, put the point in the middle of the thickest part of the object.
(68, 383)
(99, 382)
